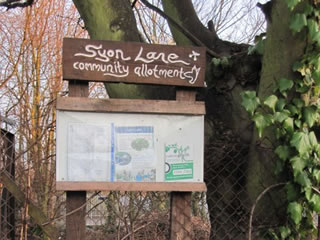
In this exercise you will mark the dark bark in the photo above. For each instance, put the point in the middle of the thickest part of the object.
(9, 4)
(282, 49)
(227, 123)
(114, 20)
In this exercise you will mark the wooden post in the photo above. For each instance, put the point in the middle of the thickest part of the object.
(180, 216)
(180, 211)
(76, 222)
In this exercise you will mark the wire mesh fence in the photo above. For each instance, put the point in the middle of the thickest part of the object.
(222, 213)
(7, 201)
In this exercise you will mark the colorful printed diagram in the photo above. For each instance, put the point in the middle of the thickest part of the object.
(178, 162)
(132, 154)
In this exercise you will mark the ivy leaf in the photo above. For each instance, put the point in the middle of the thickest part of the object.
(301, 142)
(308, 193)
(313, 140)
(283, 152)
(288, 125)
(271, 102)
(284, 85)
(316, 175)
(280, 116)
(303, 180)
(261, 121)
(295, 211)
(250, 101)
(280, 104)
(313, 28)
(293, 109)
(278, 167)
(297, 66)
(310, 115)
(292, 192)
(298, 21)
(292, 3)
(298, 102)
(315, 201)
(284, 232)
(297, 122)
(298, 164)
(316, 77)
(257, 48)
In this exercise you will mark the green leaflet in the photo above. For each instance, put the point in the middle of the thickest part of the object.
(250, 101)
(271, 102)
(298, 22)
(262, 121)
(300, 140)
(295, 212)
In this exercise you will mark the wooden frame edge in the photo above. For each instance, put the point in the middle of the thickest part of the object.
(132, 186)
(130, 106)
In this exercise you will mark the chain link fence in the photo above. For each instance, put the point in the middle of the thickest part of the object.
(7, 201)
(222, 213)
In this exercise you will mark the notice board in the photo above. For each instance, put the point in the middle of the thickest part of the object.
(129, 147)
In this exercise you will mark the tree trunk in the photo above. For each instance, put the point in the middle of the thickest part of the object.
(229, 169)
(282, 49)
(114, 20)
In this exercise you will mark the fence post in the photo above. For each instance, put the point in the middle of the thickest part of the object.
(180, 209)
(76, 222)
(180, 216)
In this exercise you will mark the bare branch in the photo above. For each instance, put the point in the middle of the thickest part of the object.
(183, 30)
(15, 3)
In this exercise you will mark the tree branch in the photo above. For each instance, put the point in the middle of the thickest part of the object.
(256, 202)
(183, 30)
(15, 3)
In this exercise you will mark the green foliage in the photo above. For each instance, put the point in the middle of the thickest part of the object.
(299, 21)
(292, 115)
(295, 212)
(250, 101)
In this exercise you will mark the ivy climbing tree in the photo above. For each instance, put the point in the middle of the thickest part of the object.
(287, 116)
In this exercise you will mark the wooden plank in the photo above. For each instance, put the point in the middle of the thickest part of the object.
(129, 62)
(132, 186)
(130, 106)
(78, 88)
(180, 216)
(184, 95)
(76, 223)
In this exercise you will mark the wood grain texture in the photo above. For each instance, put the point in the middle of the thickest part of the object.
(180, 216)
(130, 106)
(138, 63)
(76, 222)
(132, 186)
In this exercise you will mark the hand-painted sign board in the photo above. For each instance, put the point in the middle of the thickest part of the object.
(129, 62)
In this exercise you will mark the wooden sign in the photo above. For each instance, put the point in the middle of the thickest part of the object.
(129, 62)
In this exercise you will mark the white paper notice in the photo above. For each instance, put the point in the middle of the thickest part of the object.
(88, 152)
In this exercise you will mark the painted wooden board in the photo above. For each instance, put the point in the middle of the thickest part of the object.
(130, 106)
(130, 62)
(131, 186)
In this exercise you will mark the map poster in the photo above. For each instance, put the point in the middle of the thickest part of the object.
(133, 154)
(178, 162)
(88, 150)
